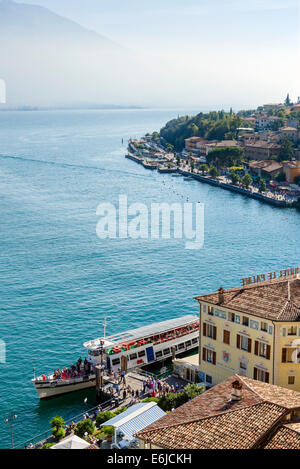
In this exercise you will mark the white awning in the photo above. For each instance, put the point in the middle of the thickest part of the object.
(73, 442)
(136, 418)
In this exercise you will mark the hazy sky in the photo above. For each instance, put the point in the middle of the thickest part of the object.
(235, 51)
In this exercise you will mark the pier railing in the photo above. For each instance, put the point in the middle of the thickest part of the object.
(46, 437)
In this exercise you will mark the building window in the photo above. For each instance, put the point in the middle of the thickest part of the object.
(291, 380)
(116, 361)
(261, 375)
(142, 353)
(209, 356)
(243, 343)
(231, 317)
(243, 366)
(245, 321)
(158, 354)
(226, 337)
(209, 331)
(133, 356)
(290, 355)
(210, 310)
(166, 351)
(208, 379)
(264, 326)
(180, 346)
(188, 343)
(292, 330)
(262, 350)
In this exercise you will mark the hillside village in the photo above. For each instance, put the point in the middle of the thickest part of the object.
(257, 151)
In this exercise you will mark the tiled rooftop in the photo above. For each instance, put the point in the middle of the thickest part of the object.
(239, 429)
(285, 438)
(213, 420)
(277, 299)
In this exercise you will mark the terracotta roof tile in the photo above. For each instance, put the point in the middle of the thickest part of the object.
(239, 429)
(212, 420)
(285, 438)
(212, 402)
(283, 397)
(268, 299)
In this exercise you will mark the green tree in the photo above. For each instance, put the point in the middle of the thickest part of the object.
(214, 172)
(286, 150)
(204, 168)
(279, 177)
(57, 424)
(193, 390)
(262, 185)
(103, 417)
(247, 180)
(235, 179)
(287, 100)
(85, 426)
(192, 166)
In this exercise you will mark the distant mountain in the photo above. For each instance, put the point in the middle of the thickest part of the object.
(48, 60)
(33, 21)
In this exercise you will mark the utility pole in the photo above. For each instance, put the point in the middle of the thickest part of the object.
(10, 420)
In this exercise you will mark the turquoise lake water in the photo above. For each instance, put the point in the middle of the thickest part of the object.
(58, 279)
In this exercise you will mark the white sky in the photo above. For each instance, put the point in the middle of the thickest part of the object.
(234, 51)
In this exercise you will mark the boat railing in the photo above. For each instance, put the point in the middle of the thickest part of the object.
(51, 379)
(160, 340)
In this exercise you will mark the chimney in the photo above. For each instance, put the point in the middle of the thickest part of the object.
(221, 296)
(289, 291)
(236, 391)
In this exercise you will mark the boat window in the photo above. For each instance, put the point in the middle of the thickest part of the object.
(116, 361)
(158, 354)
(166, 351)
(181, 346)
(142, 353)
(194, 341)
(188, 343)
(133, 356)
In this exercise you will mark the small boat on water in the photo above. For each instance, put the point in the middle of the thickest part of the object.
(124, 351)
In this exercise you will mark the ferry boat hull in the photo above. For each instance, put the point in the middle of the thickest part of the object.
(46, 390)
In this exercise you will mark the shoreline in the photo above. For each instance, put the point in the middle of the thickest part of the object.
(214, 182)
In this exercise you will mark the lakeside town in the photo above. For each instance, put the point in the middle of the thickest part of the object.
(238, 389)
(255, 153)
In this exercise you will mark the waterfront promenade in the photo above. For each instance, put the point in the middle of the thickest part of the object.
(222, 182)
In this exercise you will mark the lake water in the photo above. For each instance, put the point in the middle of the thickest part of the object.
(58, 279)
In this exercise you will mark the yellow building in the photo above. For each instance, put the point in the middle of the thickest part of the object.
(252, 330)
(291, 170)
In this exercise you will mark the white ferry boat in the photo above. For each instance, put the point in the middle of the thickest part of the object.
(127, 350)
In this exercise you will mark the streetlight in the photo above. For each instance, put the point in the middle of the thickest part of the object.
(10, 420)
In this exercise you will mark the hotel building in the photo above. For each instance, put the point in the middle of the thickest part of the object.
(252, 330)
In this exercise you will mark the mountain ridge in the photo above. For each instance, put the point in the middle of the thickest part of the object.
(29, 20)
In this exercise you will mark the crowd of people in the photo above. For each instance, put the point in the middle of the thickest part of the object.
(82, 368)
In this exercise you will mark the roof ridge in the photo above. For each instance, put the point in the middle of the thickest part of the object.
(261, 284)
(219, 414)
(288, 302)
(286, 425)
